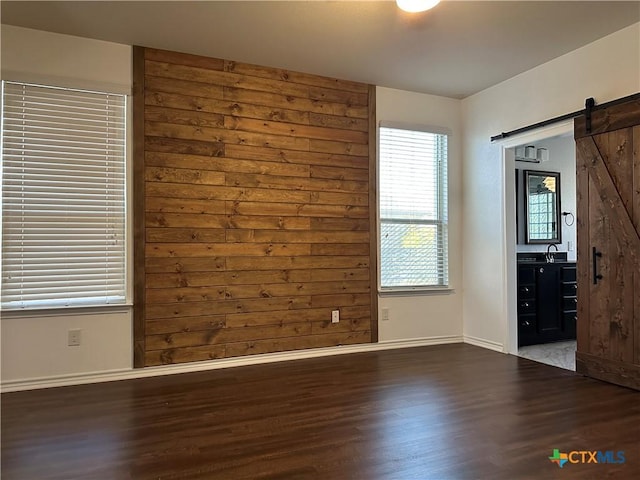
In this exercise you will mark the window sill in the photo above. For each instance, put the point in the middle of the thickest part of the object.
(66, 311)
(410, 292)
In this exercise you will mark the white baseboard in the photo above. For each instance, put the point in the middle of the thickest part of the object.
(481, 342)
(128, 374)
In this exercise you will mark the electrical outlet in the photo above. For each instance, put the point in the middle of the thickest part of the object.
(74, 338)
(335, 316)
(385, 314)
(570, 246)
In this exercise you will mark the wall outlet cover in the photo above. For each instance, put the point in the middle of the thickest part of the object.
(74, 338)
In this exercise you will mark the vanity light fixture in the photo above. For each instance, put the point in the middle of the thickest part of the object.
(415, 6)
(542, 155)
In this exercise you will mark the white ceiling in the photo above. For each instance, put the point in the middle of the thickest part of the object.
(455, 50)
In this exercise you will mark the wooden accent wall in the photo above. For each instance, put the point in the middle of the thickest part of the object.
(254, 206)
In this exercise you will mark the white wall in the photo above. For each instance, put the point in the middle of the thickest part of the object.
(37, 56)
(36, 346)
(606, 69)
(434, 315)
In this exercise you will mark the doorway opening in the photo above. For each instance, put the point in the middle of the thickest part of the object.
(540, 212)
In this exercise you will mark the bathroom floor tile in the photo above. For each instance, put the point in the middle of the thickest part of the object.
(558, 354)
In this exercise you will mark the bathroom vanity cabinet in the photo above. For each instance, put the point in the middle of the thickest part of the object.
(546, 302)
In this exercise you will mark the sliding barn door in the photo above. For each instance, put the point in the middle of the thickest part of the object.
(608, 215)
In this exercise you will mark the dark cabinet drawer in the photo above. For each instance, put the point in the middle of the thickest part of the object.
(526, 292)
(568, 274)
(526, 329)
(526, 275)
(569, 289)
(569, 303)
(527, 321)
(569, 320)
(526, 306)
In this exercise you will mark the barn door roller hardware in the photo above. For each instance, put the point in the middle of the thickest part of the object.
(588, 108)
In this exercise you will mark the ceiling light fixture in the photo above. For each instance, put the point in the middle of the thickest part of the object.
(414, 6)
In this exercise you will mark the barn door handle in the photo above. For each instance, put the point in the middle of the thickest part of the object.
(595, 255)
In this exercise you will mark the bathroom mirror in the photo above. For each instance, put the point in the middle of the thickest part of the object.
(542, 207)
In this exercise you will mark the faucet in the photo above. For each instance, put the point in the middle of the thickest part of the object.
(550, 257)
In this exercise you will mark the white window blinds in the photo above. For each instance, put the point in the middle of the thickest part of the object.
(63, 197)
(413, 209)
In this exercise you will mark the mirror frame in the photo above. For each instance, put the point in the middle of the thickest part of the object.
(525, 192)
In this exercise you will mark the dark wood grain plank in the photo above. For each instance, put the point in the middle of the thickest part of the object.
(139, 198)
(298, 262)
(611, 199)
(305, 210)
(583, 250)
(215, 135)
(623, 115)
(185, 324)
(336, 160)
(262, 180)
(636, 223)
(294, 77)
(609, 370)
(388, 414)
(182, 250)
(183, 87)
(236, 109)
(373, 211)
(292, 129)
(223, 336)
(300, 288)
(229, 79)
(184, 59)
(183, 235)
(226, 164)
(278, 100)
(206, 192)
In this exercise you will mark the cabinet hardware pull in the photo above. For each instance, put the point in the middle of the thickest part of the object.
(575, 300)
(525, 304)
(595, 254)
(541, 270)
(575, 287)
(525, 289)
(526, 323)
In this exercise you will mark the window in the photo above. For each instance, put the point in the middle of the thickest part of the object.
(541, 217)
(63, 197)
(413, 209)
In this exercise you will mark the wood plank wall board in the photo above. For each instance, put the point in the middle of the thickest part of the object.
(373, 212)
(636, 221)
(255, 209)
(139, 282)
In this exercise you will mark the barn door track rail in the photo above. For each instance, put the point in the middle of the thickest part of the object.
(589, 107)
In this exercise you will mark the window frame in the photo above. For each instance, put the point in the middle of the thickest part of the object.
(407, 289)
(54, 308)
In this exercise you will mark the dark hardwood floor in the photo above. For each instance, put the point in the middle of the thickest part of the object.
(442, 412)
